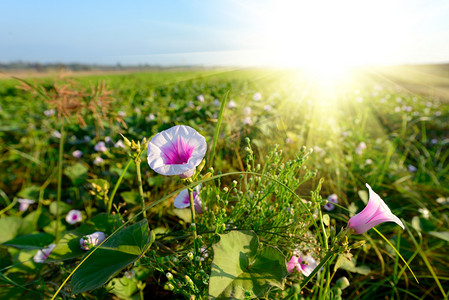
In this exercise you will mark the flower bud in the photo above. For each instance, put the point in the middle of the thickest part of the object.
(190, 256)
(343, 283)
(169, 276)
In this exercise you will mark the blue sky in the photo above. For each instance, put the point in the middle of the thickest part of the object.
(246, 32)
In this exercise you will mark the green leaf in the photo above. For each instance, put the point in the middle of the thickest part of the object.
(5, 257)
(30, 192)
(340, 261)
(349, 265)
(13, 226)
(239, 267)
(444, 235)
(120, 250)
(31, 241)
(77, 173)
(68, 247)
(63, 207)
(131, 197)
(123, 287)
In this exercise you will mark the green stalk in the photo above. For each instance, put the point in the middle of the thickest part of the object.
(217, 130)
(117, 184)
(328, 256)
(58, 197)
(192, 212)
(11, 205)
(139, 181)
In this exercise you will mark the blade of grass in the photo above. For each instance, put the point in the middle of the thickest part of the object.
(397, 252)
(426, 261)
(217, 130)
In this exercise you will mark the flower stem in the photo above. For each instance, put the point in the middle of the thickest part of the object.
(139, 181)
(58, 196)
(117, 184)
(192, 212)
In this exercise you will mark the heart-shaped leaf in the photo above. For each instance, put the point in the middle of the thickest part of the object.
(240, 267)
(120, 250)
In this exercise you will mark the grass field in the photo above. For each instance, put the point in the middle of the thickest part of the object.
(311, 134)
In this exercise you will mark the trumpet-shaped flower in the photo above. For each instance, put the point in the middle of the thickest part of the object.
(24, 203)
(374, 213)
(303, 263)
(176, 151)
(92, 240)
(43, 254)
(73, 216)
(182, 200)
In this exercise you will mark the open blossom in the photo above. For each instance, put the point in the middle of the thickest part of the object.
(56, 134)
(360, 148)
(43, 254)
(119, 144)
(24, 203)
(176, 151)
(331, 199)
(150, 117)
(247, 110)
(122, 114)
(182, 200)
(303, 263)
(101, 147)
(92, 240)
(77, 154)
(376, 212)
(257, 96)
(200, 98)
(412, 168)
(98, 161)
(73, 216)
(232, 104)
(217, 102)
(267, 107)
(50, 112)
(248, 121)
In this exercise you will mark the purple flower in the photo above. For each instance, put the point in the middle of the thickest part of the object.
(200, 98)
(374, 213)
(182, 200)
(73, 216)
(98, 161)
(331, 199)
(176, 151)
(24, 203)
(77, 154)
(43, 254)
(101, 147)
(50, 112)
(412, 168)
(92, 240)
(217, 102)
(303, 263)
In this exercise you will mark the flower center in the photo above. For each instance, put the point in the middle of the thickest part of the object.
(177, 153)
(74, 217)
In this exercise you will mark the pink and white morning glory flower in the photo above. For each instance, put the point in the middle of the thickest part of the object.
(374, 213)
(43, 254)
(74, 216)
(101, 147)
(77, 153)
(92, 240)
(24, 203)
(182, 200)
(176, 151)
(331, 199)
(303, 263)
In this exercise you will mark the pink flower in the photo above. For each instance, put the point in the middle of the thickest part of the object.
(374, 213)
(182, 200)
(176, 151)
(98, 161)
(232, 104)
(257, 96)
(248, 121)
(360, 148)
(50, 112)
(24, 203)
(92, 240)
(77, 154)
(200, 98)
(73, 216)
(43, 254)
(101, 147)
(331, 199)
(303, 263)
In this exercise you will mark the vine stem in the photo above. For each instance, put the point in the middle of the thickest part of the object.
(59, 190)
(139, 181)
(117, 184)
(192, 212)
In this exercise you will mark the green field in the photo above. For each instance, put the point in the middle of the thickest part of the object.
(307, 137)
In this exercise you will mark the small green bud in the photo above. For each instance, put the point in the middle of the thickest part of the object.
(127, 142)
(343, 283)
(169, 287)
(169, 276)
(190, 256)
(234, 183)
(247, 140)
(225, 189)
(201, 165)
